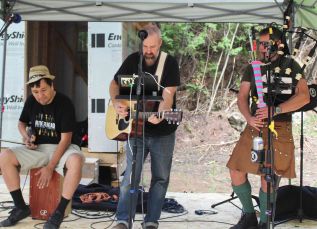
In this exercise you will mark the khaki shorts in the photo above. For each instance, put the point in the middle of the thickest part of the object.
(283, 147)
(29, 159)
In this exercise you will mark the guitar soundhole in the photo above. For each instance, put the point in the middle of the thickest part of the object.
(123, 123)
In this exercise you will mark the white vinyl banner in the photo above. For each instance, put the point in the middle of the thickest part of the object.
(104, 59)
(13, 81)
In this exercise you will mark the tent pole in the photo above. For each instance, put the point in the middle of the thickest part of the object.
(3, 80)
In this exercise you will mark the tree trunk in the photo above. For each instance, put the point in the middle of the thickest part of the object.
(213, 96)
(202, 82)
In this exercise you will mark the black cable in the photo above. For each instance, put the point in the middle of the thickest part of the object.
(197, 221)
(92, 214)
(71, 220)
(38, 224)
(104, 221)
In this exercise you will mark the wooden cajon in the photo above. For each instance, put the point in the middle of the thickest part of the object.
(43, 202)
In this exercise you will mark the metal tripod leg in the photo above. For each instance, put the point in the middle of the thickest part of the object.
(225, 201)
(233, 197)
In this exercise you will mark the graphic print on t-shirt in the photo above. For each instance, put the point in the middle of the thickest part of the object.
(45, 125)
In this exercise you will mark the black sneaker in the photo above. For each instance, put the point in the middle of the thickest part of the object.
(247, 221)
(16, 214)
(54, 221)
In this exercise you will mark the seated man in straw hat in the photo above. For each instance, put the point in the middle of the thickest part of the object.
(51, 116)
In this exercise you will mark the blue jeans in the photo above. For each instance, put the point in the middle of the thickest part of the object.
(161, 150)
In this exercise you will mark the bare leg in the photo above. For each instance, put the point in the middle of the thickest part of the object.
(9, 168)
(237, 177)
(72, 178)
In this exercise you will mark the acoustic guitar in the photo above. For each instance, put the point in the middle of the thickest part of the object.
(118, 128)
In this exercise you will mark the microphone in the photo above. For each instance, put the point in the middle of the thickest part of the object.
(15, 18)
(142, 34)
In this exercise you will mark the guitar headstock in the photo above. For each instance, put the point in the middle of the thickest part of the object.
(173, 116)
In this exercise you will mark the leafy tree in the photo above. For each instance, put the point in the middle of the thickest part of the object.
(207, 54)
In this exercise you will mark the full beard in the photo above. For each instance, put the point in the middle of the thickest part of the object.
(150, 59)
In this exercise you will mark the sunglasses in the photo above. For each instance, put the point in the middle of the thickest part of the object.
(264, 43)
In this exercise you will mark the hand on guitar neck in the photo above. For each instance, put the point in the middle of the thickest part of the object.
(30, 139)
(122, 108)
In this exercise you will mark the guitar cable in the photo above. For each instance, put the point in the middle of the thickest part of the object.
(143, 149)
(157, 82)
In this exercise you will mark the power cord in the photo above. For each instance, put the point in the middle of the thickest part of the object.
(92, 214)
(103, 221)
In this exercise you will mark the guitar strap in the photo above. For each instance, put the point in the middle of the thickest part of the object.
(160, 67)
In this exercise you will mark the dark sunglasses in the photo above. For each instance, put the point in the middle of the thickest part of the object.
(264, 43)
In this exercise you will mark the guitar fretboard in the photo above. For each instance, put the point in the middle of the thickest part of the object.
(146, 115)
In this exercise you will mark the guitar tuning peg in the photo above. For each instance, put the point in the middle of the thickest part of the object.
(177, 123)
(169, 121)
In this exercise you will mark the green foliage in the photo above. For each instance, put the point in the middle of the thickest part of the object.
(198, 47)
(193, 88)
(235, 51)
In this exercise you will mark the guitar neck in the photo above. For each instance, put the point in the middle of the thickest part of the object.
(146, 115)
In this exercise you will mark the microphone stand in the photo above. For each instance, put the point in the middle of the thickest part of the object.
(134, 189)
(4, 55)
(269, 160)
(8, 22)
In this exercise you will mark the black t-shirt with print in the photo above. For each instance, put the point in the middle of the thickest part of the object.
(278, 98)
(49, 121)
(170, 78)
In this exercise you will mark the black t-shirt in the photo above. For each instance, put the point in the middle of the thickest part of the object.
(49, 121)
(278, 98)
(170, 78)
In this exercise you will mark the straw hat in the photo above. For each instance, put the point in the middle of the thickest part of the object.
(39, 72)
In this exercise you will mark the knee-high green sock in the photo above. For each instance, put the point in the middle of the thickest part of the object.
(263, 204)
(243, 192)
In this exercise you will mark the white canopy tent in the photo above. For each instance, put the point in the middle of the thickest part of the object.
(250, 11)
(260, 11)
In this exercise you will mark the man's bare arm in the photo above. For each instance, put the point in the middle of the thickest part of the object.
(62, 146)
(168, 97)
(298, 100)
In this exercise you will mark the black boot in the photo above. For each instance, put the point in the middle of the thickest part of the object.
(54, 221)
(247, 221)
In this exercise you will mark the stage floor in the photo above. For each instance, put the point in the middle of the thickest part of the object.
(227, 215)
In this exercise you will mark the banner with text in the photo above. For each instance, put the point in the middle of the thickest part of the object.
(104, 59)
(13, 81)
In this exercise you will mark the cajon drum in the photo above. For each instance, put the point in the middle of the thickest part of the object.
(43, 202)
